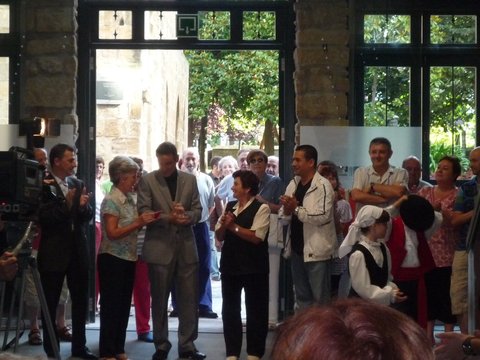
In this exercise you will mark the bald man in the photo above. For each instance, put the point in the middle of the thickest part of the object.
(41, 156)
(414, 168)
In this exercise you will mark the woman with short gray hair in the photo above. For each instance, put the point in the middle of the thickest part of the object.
(227, 165)
(121, 165)
(118, 255)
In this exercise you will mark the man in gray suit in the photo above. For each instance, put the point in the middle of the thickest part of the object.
(170, 250)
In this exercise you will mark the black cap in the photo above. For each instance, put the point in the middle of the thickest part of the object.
(417, 213)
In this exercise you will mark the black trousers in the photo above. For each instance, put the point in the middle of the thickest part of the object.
(77, 282)
(116, 285)
(256, 305)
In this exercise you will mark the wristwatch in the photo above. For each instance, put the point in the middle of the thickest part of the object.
(295, 212)
(467, 347)
(236, 229)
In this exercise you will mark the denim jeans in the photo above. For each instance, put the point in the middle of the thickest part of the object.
(214, 271)
(311, 281)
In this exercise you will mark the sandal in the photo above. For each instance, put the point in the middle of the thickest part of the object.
(34, 337)
(64, 334)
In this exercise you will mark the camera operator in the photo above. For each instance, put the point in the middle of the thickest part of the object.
(32, 302)
(63, 216)
(8, 262)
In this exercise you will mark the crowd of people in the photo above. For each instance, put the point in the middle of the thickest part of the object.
(394, 242)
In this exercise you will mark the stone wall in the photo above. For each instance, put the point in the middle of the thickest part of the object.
(154, 106)
(49, 59)
(321, 62)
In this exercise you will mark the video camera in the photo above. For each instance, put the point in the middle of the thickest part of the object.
(20, 185)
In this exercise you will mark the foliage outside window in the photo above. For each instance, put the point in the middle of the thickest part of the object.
(386, 29)
(452, 113)
(214, 25)
(259, 25)
(387, 96)
(453, 29)
(234, 92)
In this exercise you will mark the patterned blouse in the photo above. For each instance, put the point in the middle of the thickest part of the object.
(442, 242)
(122, 206)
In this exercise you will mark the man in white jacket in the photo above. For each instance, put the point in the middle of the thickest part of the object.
(308, 207)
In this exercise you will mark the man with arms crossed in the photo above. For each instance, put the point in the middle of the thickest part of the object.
(379, 184)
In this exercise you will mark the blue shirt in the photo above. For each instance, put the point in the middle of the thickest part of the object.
(465, 202)
(271, 188)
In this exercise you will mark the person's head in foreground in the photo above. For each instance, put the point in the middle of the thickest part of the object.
(351, 329)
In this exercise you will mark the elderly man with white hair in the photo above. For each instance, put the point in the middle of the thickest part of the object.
(206, 191)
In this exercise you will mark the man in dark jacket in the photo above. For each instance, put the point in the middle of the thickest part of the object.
(63, 214)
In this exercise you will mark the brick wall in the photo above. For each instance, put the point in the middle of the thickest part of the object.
(321, 62)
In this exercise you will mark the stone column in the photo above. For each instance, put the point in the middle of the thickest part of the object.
(49, 57)
(321, 62)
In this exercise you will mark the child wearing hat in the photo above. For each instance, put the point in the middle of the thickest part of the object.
(410, 253)
(369, 263)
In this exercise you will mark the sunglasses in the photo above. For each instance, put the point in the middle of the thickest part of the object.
(257, 160)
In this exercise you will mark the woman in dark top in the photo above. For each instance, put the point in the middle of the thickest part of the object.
(243, 229)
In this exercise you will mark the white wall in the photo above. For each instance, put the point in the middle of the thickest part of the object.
(347, 146)
(9, 137)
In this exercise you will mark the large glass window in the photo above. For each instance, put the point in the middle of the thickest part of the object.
(115, 25)
(453, 29)
(452, 112)
(387, 96)
(415, 67)
(387, 29)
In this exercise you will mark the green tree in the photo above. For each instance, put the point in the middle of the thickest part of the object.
(236, 91)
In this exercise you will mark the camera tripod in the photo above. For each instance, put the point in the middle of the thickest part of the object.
(26, 261)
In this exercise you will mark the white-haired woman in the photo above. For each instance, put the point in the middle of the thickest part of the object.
(117, 256)
(227, 165)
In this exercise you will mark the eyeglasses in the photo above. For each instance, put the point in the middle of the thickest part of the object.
(257, 160)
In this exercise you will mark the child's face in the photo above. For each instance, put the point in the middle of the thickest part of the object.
(379, 230)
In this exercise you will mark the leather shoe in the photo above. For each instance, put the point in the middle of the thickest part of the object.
(146, 337)
(64, 334)
(84, 354)
(209, 314)
(192, 355)
(160, 355)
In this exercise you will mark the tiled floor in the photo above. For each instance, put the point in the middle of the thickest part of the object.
(210, 339)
